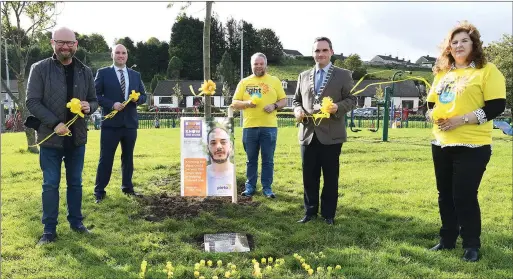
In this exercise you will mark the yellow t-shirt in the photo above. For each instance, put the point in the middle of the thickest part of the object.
(266, 87)
(460, 91)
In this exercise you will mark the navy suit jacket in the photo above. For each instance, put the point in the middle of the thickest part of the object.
(108, 91)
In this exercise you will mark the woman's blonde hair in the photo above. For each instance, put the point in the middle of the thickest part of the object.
(445, 60)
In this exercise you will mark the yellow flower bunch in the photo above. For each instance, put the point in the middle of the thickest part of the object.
(134, 96)
(208, 88)
(75, 107)
(326, 104)
(255, 99)
(169, 270)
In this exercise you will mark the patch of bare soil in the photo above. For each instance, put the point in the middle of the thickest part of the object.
(158, 207)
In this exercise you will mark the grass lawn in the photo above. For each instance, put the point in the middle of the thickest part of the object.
(386, 219)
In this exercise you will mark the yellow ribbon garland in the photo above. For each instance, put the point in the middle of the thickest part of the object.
(326, 104)
(387, 82)
(133, 96)
(76, 108)
(208, 88)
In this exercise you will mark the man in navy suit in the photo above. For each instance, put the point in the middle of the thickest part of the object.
(113, 86)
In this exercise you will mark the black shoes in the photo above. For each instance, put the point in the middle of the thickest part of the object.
(81, 229)
(307, 218)
(329, 221)
(132, 193)
(442, 246)
(471, 255)
(47, 237)
(98, 199)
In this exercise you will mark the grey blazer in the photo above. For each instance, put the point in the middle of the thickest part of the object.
(338, 86)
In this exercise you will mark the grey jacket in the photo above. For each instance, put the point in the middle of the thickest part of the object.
(47, 98)
(338, 86)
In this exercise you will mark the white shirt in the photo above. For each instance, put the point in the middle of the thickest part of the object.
(125, 73)
(220, 184)
(318, 74)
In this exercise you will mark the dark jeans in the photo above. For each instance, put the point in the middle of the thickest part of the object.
(254, 140)
(317, 156)
(458, 173)
(109, 141)
(50, 160)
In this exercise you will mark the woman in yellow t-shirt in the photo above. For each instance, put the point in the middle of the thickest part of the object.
(467, 93)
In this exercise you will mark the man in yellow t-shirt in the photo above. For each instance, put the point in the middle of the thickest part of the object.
(260, 96)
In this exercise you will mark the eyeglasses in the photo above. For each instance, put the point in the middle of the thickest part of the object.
(61, 43)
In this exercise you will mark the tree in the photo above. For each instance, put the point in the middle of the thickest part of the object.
(38, 17)
(97, 44)
(186, 44)
(339, 63)
(174, 68)
(379, 93)
(226, 71)
(501, 54)
(217, 43)
(226, 93)
(154, 82)
(354, 63)
(251, 45)
(178, 93)
(233, 42)
(270, 45)
(153, 41)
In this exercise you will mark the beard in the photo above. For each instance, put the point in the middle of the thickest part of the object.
(259, 73)
(65, 56)
(219, 161)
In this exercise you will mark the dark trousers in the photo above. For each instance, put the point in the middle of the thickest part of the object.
(458, 173)
(109, 141)
(317, 156)
(50, 160)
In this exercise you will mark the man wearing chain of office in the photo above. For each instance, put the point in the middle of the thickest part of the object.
(321, 142)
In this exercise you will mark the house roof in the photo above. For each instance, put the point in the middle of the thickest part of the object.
(426, 58)
(292, 52)
(13, 85)
(340, 57)
(165, 87)
(401, 89)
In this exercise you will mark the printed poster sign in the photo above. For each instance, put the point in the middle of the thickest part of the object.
(207, 158)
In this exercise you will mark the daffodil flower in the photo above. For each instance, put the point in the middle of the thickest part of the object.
(134, 95)
(208, 88)
(75, 107)
(255, 99)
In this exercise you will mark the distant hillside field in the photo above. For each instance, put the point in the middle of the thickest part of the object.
(291, 72)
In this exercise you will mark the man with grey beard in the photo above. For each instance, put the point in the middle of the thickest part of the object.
(52, 83)
(260, 96)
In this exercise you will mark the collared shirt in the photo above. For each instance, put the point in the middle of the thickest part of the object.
(125, 73)
(318, 73)
(471, 65)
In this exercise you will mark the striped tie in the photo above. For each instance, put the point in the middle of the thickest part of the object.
(122, 82)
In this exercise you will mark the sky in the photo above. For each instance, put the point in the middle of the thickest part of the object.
(404, 29)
